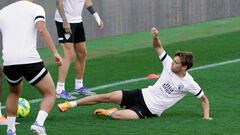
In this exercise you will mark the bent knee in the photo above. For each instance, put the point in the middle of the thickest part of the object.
(113, 97)
(105, 98)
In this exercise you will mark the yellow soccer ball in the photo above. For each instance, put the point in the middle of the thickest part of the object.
(23, 108)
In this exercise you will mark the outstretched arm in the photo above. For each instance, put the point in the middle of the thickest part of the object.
(89, 5)
(60, 7)
(47, 39)
(156, 41)
(205, 106)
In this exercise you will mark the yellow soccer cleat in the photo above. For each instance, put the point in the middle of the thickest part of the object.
(63, 107)
(105, 112)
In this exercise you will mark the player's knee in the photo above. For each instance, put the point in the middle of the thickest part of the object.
(48, 92)
(53, 94)
(84, 54)
(50, 96)
(105, 97)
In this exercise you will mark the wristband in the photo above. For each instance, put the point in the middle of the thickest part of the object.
(91, 9)
(97, 18)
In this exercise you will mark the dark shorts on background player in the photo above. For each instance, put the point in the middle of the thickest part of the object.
(77, 36)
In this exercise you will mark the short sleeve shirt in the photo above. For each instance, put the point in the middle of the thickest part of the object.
(19, 34)
(169, 88)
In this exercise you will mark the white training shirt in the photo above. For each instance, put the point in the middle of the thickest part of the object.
(73, 11)
(169, 88)
(19, 33)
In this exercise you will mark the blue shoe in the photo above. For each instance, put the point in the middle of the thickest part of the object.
(84, 91)
(38, 129)
(10, 132)
(65, 95)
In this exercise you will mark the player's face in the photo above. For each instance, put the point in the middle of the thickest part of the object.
(176, 65)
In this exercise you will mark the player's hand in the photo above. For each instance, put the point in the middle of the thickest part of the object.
(67, 27)
(207, 118)
(58, 59)
(154, 32)
(100, 25)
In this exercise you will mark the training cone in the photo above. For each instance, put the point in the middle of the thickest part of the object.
(3, 120)
(152, 76)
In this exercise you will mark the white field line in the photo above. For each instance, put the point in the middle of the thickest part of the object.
(144, 78)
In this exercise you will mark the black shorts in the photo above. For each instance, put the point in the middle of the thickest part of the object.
(33, 73)
(134, 101)
(77, 36)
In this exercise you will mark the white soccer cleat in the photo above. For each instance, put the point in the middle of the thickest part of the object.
(10, 132)
(38, 129)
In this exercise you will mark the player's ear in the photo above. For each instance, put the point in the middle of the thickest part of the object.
(184, 68)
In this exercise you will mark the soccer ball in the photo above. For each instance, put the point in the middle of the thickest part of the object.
(23, 108)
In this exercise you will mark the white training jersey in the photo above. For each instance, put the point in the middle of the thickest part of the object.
(73, 11)
(19, 33)
(169, 88)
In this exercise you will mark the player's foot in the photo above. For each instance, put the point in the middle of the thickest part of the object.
(105, 112)
(38, 129)
(84, 91)
(65, 95)
(10, 132)
(63, 107)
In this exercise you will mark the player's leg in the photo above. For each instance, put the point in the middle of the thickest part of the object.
(12, 106)
(129, 100)
(38, 76)
(47, 90)
(112, 97)
(69, 54)
(135, 107)
(66, 42)
(138, 111)
(124, 115)
(81, 56)
(12, 99)
(13, 75)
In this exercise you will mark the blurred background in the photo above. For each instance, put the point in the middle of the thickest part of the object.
(130, 16)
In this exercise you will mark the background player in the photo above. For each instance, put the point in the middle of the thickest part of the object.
(71, 36)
